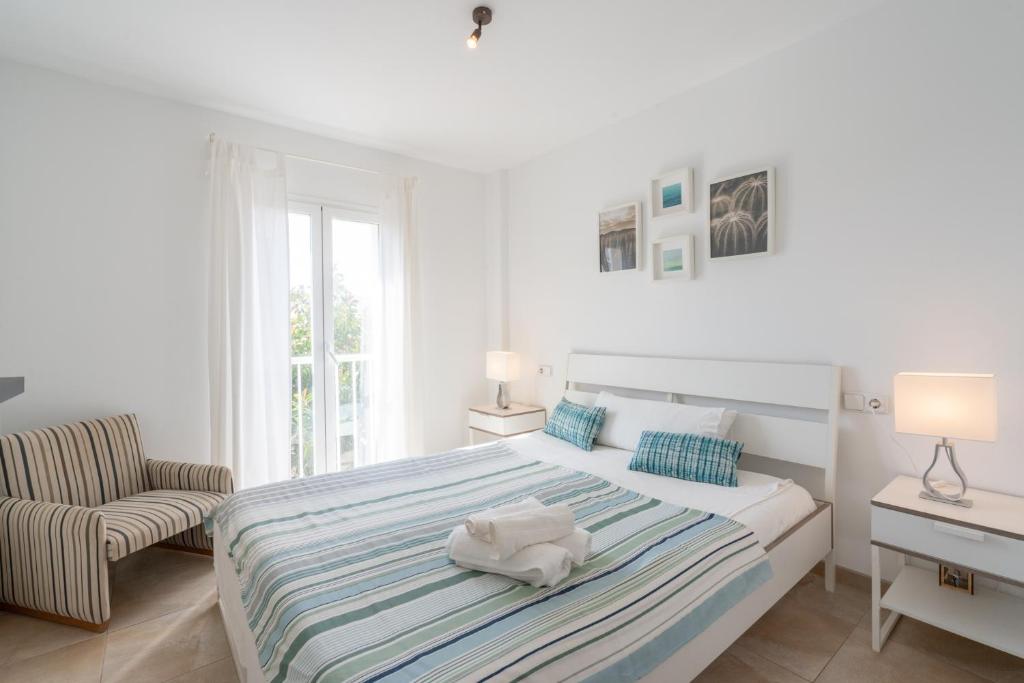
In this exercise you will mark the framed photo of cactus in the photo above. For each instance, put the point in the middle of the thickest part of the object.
(741, 215)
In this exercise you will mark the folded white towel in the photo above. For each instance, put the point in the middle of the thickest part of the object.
(541, 564)
(510, 528)
(577, 543)
(478, 524)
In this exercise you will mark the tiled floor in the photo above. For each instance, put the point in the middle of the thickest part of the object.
(166, 627)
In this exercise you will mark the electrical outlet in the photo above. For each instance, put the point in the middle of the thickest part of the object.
(544, 371)
(878, 405)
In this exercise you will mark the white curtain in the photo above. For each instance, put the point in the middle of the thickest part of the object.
(248, 314)
(395, 410)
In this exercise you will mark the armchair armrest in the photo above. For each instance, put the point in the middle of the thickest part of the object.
(54, 559)
(186, 476)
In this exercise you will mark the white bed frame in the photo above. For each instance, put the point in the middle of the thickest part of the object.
(809, 439)
(811, 392)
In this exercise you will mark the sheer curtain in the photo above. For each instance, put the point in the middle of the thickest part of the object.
(395, 410)
(248, 314)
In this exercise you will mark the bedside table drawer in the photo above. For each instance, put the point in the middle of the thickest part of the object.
(506, 426)
(983, 551)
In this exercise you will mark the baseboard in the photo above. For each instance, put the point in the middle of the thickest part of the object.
(58, 618)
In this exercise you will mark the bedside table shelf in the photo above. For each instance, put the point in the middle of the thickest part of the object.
(989, 617)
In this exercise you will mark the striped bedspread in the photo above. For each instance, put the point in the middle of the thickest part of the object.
(344, 577)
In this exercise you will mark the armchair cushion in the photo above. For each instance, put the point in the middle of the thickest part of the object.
(139, 521)
(185, 476)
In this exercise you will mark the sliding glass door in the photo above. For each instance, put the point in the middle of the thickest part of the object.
(335, 281)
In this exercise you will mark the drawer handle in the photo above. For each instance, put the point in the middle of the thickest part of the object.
(962, 532)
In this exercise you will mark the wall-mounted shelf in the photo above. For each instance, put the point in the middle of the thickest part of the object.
(11, 387)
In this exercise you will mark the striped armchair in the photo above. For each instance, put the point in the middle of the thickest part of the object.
(75, 497)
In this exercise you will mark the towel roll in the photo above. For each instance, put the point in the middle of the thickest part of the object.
(510, 533)
(577, 543)
(541, 564)
(478, 524)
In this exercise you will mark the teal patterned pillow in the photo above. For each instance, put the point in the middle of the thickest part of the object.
(696, 457)
(576, 424)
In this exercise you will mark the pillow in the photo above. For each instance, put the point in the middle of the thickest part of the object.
(695, 457)
(627, 418)
(574, 423)
(583, 398)
(728, 417)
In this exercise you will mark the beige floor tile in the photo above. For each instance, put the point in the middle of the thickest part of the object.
(165, 587)
(896, 663)
(991, 664)
(800, 635)
(850, 601)
(24, 637)
(218, 672)
(739, 664)
(78, 663)
(165, 647)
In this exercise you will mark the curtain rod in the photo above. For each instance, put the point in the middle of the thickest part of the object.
(213, 136)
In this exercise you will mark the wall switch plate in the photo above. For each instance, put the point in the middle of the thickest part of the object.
(854, 402)
(544, 371)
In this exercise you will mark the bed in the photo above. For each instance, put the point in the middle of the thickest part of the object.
(679, 570)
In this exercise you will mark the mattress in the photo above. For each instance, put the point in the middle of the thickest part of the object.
(766, 505)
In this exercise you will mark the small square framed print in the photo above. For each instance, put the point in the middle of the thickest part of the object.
(672, 193)
(956, 578)
(672, 258)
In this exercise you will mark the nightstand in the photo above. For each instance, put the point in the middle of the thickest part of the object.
(987, 539)
(488, 423)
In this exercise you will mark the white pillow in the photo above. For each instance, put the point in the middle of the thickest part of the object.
(583, 398)
(625, 419)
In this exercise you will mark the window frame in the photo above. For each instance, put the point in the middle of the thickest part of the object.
(325, 362)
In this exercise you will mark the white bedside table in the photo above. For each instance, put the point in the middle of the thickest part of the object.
(988, 539)
(489, 423)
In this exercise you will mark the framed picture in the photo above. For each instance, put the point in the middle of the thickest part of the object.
(956, 578)
(741, 215)
(672, 193)
(619, 245)
(672, 258)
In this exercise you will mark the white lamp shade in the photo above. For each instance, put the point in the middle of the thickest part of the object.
(948, 405)
(503, 366)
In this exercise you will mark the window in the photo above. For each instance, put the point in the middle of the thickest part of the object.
(334, 278)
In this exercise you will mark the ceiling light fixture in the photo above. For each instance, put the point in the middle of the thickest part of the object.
(481, 17)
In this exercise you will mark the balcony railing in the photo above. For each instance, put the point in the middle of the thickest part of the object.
(344, 416)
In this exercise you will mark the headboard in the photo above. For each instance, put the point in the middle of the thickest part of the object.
(807, 435)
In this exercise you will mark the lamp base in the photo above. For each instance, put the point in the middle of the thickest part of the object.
(963, 502)
(503, 399)
(932, 493)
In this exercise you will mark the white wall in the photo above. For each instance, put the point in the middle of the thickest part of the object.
(898, 146)
(103, 257)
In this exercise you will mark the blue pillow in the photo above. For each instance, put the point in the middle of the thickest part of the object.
(696, 457)
(576, 424)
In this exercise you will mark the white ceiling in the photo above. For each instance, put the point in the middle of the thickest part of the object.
(397, 75)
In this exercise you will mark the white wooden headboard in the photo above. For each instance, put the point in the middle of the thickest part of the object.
(809, 440)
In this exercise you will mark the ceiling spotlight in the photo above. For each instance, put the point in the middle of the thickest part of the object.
(481, 17)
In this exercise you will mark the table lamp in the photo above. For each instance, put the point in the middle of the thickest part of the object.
(949, 406)
(502, 366)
